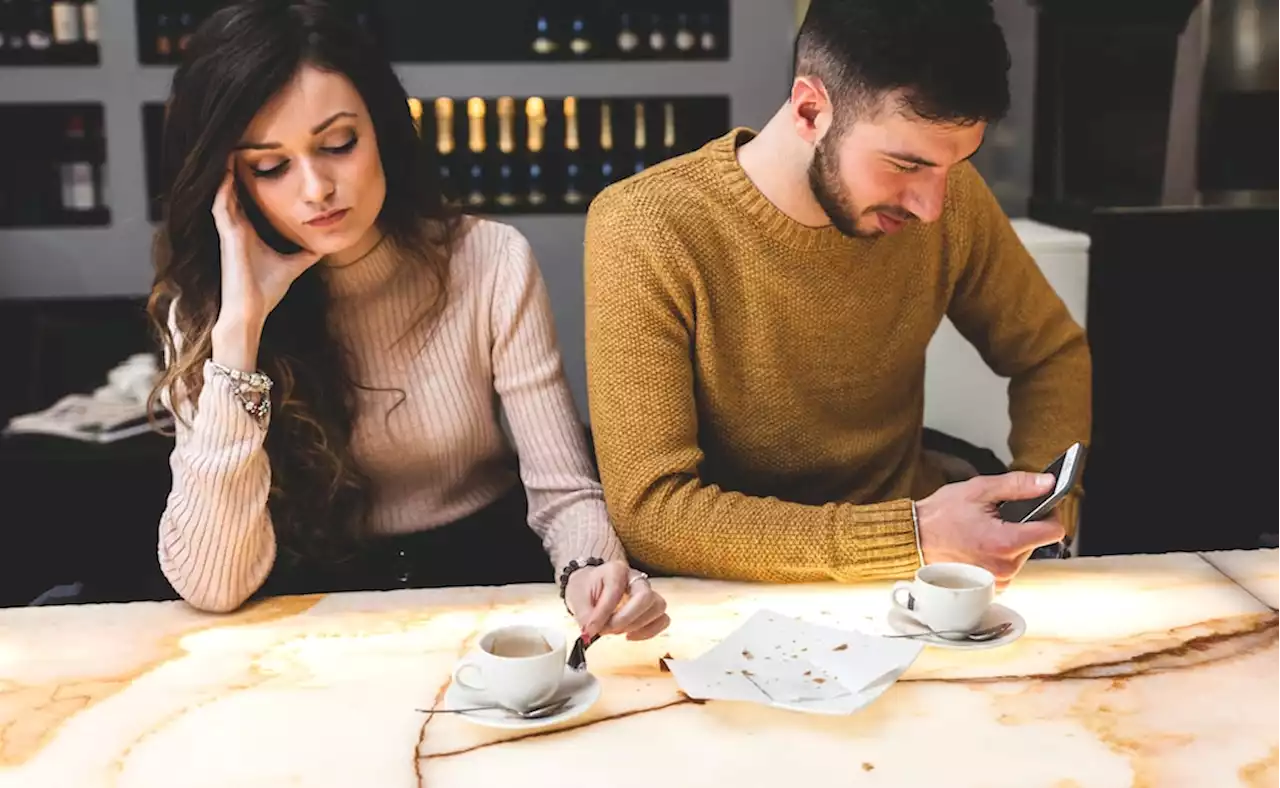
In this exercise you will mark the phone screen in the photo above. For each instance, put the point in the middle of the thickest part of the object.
(1019, 511)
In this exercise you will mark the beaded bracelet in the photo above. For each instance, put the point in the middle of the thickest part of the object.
(245, 385)
(574, 566)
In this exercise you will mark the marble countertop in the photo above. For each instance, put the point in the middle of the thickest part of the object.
(1135, 671)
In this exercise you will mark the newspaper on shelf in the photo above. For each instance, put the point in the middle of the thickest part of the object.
(114, 412)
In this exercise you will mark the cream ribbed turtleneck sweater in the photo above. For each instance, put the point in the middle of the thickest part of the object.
(439, 457)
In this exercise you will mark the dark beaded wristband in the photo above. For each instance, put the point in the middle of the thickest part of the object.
(574, 566)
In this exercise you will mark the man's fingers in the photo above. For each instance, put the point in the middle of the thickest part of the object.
(1015, 486)
(1022, 538)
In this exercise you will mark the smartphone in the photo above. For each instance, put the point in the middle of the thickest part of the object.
(1066, 472)
(261, 225)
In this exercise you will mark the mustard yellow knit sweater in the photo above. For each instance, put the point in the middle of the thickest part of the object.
(757, 386)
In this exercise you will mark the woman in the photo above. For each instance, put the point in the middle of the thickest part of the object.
(338, 341)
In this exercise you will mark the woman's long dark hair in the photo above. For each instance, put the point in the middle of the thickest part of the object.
(241, 57)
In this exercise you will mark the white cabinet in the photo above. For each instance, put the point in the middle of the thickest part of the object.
(963, 397)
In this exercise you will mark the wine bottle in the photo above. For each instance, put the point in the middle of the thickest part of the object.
(15, 14)
(164, 36)
(415, 114)
(686, 41)
(543, 43)
(668, 130)
(186, 29)
(707, 38)
(445, 146)
(66, 22)
(573, 194)
(579, 37)
(657, 37)
(39, 30)
(535, 112)
(77, 176)
(89, 20)
(506, 187)
(476, 145)
(641, 138)
(608, 170)
(628, 41)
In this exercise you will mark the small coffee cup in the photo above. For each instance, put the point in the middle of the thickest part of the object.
(949, 599)
(519, 667)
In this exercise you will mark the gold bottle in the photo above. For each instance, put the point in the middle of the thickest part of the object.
(572, 167)
(641, 138)
(444, 126)
(535, 111)
(415, 112)
(476, 144)
(668, 129)
(445, 145)
(506, 196)
(608, 169)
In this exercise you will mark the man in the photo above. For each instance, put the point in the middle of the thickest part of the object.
(758, 313)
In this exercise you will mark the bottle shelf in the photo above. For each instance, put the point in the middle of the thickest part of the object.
(48, 32)
(560, 151)
(493, 31)
(53, 173)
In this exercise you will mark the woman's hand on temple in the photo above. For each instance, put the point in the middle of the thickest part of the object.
(612, 599)
(255, 278)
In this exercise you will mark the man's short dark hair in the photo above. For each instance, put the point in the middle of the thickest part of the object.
(948, 57)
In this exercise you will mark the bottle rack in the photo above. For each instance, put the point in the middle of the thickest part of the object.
(494, 31)
(48, 32)
(539, 155)
(52, 171)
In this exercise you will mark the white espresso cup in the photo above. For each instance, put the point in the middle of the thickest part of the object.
(518, 667)
(950, 599)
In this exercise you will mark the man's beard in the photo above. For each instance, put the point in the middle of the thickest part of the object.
(833, 198)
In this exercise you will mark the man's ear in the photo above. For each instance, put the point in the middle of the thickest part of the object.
(810, 109)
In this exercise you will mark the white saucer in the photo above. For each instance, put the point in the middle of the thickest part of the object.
(995, 615)
(582, 687)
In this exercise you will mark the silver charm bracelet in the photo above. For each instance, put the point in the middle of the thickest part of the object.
(246, 385)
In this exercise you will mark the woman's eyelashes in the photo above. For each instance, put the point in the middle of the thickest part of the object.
(345, 147)
(279, 169)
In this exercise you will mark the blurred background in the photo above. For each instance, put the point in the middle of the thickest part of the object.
(1137, 163)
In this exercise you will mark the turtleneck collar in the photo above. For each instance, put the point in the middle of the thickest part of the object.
(364, 274)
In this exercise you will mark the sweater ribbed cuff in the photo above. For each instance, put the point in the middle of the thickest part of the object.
(915, 526)
(875, 541)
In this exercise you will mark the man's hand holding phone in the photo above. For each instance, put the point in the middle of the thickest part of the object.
(255, 278)
(961, 523)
